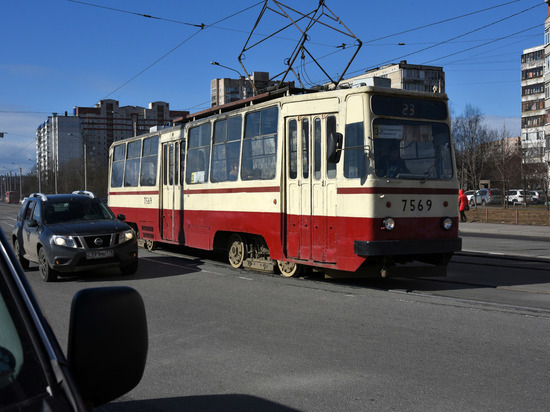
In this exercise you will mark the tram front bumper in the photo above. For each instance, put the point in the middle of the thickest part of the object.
(407, 247)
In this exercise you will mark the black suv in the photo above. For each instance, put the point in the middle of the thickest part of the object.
(72, 232)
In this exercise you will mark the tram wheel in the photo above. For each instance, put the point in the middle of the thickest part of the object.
(150, 245)
(289, 269)
(236, 251)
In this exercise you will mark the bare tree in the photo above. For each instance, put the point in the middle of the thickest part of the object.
(471, 137)
(505, 161)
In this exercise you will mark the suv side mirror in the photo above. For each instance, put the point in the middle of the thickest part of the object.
(120, 216)
(334, 147)
(107, 342)
(33, 223)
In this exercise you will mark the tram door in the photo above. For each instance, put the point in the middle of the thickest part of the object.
(171, 192)
(311, 190)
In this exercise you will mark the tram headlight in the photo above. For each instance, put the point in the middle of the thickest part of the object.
(447, 223)
(388, 224)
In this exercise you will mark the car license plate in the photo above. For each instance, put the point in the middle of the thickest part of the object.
(100, 254)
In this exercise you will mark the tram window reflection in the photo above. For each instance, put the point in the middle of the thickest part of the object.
(331, 129)
(117, 168)
(198, 154)
(354, 155)
(260, 145)
(425, 147)
(226, 149)
(133, 159)
(148, 173)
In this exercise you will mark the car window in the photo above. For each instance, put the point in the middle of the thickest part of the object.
(21, 374)
(75, 210)
(28, 212)
(37, 212)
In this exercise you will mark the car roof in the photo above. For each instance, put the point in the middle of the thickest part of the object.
(64, 197)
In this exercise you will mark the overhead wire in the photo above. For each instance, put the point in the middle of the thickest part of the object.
(441, 22)
(214, 25)
(179, 45)
(459, 36)
(201, 25)
(480, 45)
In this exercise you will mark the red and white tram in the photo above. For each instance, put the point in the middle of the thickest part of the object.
(358, 180)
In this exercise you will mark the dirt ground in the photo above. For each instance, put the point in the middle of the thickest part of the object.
(530, 215)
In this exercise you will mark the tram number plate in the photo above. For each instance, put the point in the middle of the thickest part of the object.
(420, 205)
(100, 254)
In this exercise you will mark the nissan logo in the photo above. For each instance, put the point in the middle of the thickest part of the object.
(98, 241)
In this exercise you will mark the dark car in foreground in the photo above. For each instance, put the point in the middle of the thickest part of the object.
(107, 346)
(67, 233)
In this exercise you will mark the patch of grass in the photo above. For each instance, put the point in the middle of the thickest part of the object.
(531, 215)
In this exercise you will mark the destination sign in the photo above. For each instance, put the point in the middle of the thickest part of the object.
(409, 107)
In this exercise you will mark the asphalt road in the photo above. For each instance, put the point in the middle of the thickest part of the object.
(226, 339)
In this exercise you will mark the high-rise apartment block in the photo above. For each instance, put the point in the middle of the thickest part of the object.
(91, 130)
(547, 86)
(405, 76)
(228, 90)
(533, 111)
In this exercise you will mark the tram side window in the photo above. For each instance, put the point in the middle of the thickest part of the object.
(317, 148)
(293, 149)
(260, 145)
(182, 161)
(354, 156)
(198, 154)
(133, 157)
(305, 148)
(149, 161)
(117, 167)
(331, 129)
(226, 149)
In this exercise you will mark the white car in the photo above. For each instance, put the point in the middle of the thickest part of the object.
(517, 197)
(537, 197)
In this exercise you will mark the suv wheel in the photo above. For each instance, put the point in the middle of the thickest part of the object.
(47, 273)
(22, 261)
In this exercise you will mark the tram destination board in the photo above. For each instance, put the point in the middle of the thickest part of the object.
(409, 107)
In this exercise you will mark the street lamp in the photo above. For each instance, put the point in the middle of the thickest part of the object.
(20, 180)
(225, 67)
(242, 86)
(84, 151)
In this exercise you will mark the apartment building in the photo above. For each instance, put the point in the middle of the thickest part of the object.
(92, 130)
(533, 111)
(228, 90)
(547, 85)
(406, 76)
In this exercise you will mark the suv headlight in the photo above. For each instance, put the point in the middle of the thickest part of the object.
(67, 241)
(125, 236)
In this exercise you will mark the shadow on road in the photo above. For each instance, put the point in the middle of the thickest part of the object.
(228, 403)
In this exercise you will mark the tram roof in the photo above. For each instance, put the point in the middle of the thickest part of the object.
(269, 95)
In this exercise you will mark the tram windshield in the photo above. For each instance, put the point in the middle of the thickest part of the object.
(412, 149)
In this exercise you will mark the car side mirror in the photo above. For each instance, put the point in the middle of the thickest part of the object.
(107, 342)
(334, 147)
(33, 223)
(120, 216)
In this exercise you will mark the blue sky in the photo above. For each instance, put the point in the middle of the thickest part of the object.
(58, 54)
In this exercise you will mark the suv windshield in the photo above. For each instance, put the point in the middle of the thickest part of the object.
(412, 149)
(75, 209)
